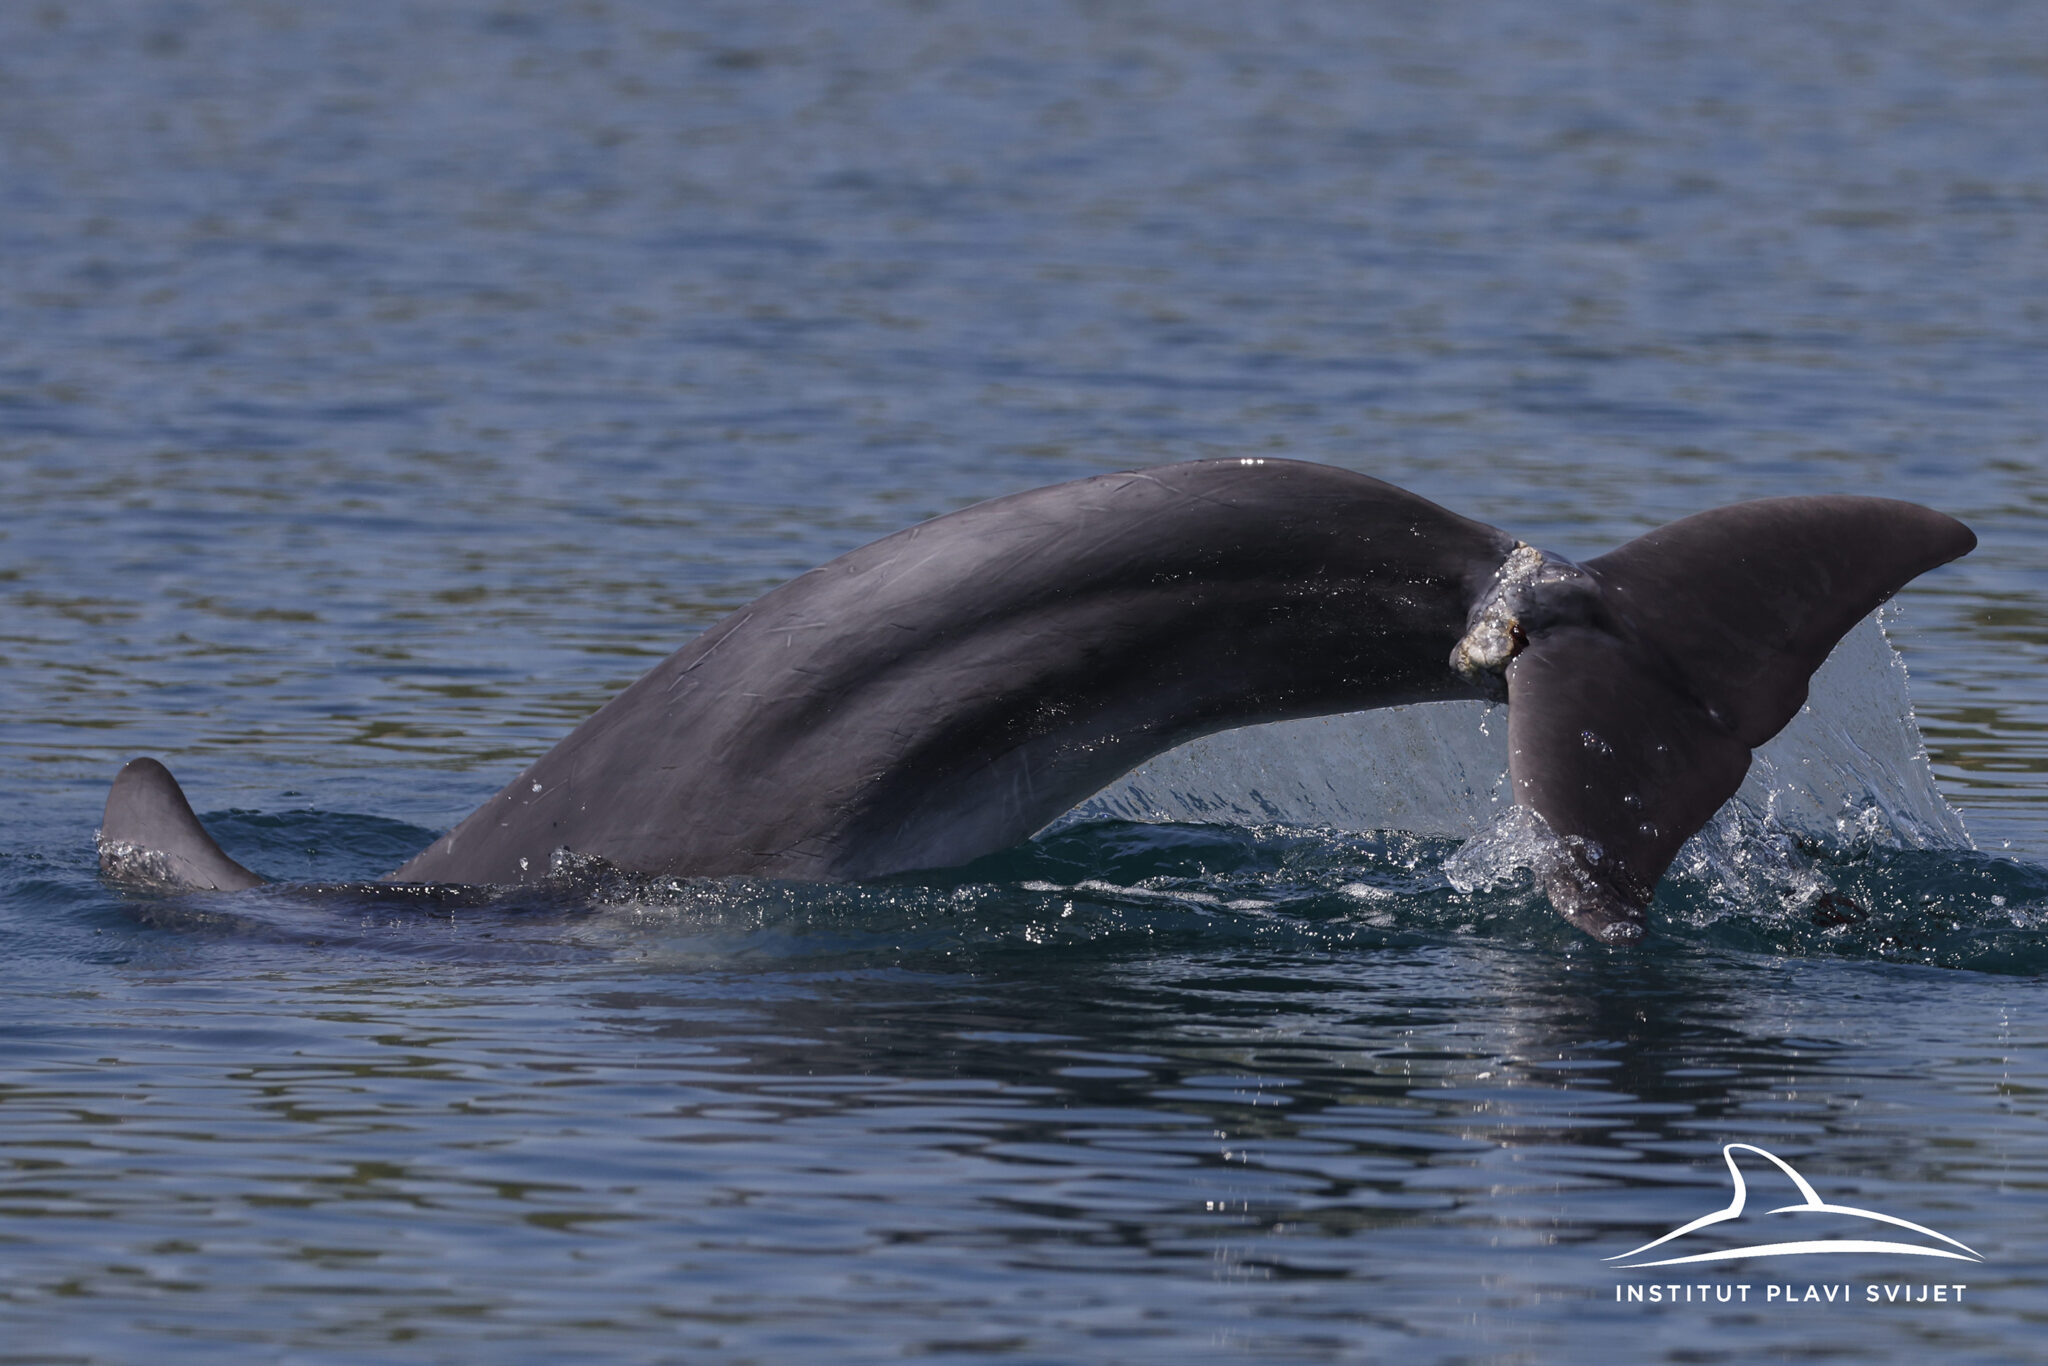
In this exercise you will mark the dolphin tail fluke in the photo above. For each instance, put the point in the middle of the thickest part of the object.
(149, 834)
(1623, 767)
(1650, 673)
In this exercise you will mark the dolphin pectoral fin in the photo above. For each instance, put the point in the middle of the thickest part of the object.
(149, 834)
(1650, 673)
(1622, 768)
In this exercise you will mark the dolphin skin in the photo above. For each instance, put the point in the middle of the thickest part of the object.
(947, 691)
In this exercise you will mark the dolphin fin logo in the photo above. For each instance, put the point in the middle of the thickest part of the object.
(1811, 1204)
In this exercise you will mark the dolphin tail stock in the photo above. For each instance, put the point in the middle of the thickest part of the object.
(1639, 682)
(149, 834)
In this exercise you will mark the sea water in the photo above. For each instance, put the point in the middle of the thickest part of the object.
(384, 386)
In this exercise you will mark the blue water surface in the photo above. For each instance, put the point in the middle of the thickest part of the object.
(383, 386)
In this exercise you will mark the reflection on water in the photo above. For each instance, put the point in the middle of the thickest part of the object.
(1144, 1151)
(384, 386)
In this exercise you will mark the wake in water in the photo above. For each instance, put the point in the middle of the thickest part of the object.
(1103, 889)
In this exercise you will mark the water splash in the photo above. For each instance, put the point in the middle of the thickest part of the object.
(1439, 768)
(1851, 769)
(1849, 773)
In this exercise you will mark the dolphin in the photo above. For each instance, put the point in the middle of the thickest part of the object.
(949, 690)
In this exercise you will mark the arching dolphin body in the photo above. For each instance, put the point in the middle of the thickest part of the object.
(948, 690)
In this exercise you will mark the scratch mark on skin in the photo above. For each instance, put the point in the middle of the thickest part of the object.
(709, 651)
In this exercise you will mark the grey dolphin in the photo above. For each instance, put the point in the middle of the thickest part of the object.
(948, 690)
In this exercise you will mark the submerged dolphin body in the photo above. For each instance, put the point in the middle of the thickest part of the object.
(948, 690)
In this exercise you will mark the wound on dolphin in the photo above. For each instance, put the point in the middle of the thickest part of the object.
(947, 691)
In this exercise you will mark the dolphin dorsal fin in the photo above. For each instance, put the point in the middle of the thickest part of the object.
(1651, 672)
(150, 834)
